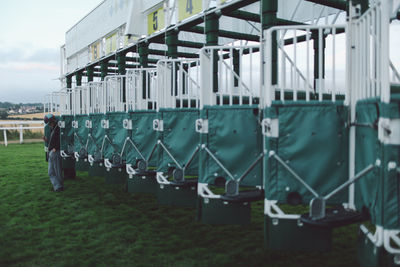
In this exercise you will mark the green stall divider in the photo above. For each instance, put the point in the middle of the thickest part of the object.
(180, 138)
(116, 134)
(234, 137)
(96, 133)
(67, 134)
(143, 136)
(81, 135)
(313, 142)
(379, 191)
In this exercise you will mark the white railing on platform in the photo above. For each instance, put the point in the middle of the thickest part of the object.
(19, 126)
(96, 96)
(114, 93)
(178, 83)
(229, 72)
(313, 61)
(140, 89)
(66, 101)
(370, 53)
(80, 100)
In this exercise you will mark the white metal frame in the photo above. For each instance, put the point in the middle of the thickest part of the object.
(299, 79)
(248, 84)
(114, 93)
(138, 80)
(178, 80)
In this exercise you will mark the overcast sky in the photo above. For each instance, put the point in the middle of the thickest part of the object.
(31, 34)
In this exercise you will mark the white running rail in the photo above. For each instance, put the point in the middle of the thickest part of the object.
(301, 65)
(140, 89)
(229, 72)
(178, 83)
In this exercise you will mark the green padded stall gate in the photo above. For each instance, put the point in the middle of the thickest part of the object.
(313, 141)
(234, 138)
(80, 141)
(379, 191)
(180, 138)
(67, 134)
(143, 136)
(117, 136)
(94, 146)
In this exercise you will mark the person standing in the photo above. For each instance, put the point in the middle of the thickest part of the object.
(55, 167)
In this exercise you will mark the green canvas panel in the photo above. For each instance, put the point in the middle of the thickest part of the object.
(66, 133)
(179, 137)
(379, 191)
(142, 135)
(234, 137)
(81, 132)
(116, 133)
(313, 141)
(367, 189)
(391, 178)
(97, 133)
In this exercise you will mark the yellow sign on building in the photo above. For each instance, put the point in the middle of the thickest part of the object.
(95, 51)
(111, 43)
(188, 8)
(155, 21)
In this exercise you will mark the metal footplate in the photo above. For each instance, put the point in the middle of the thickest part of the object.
(335, 217)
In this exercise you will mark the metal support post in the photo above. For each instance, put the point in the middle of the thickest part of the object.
(211, 31)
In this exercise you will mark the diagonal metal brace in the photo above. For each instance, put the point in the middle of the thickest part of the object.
(295, 175)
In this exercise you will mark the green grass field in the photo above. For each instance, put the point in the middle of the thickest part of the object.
(92, 223)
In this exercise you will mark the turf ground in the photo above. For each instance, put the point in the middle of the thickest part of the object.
(92, 223)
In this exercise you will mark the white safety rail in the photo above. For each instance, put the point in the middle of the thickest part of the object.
(52, 102)
(19, 126)
(80, 100)
(229, 72)
(370, 59)
(299, 67)
(114, 93)
(141, 87)
(66, 101)
(178, 83)
(96, 96)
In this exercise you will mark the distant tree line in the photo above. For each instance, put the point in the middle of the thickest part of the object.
(8, 105)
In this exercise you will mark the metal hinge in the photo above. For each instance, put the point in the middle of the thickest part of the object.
(127, 124)
(389, 131)
(158, 125)
(74, 124)
(105, 124)
(270, 127)
(202, 126)
(88, 124)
